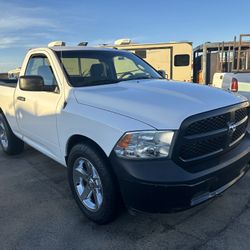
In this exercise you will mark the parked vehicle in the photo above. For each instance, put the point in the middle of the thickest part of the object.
(125, 134)
(221, 57)
(14, 74)
(235, 82)
(224, 65)
(175, 58)
(237, 77)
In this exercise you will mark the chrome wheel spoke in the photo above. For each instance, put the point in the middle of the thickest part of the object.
(89, 168)
(97, 197)
(94, 173)
(3, 136)
(2, 132)
(86, 194)
(80, 173)
(88, 184)
(98, 183)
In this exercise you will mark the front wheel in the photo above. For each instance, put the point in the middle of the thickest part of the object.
(10, 144)
(92, 184)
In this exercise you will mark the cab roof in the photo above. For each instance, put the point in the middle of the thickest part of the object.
(77, 48)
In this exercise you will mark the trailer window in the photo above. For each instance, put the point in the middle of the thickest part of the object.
(181, 60)
(141, 53)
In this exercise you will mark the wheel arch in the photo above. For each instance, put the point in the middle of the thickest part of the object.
(76, 139)
(3, 114)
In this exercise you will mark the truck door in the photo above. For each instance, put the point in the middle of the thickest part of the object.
(37, 111)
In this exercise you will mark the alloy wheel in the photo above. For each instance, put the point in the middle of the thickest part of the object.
(88, 185)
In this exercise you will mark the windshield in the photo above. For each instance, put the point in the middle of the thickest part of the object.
(98, 67)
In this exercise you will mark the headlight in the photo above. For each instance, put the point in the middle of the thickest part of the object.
(144, 144)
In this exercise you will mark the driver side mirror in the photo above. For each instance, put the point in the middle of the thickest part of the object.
(163, 73)
(31, 83)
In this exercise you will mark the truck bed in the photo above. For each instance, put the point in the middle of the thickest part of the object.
(8, 83)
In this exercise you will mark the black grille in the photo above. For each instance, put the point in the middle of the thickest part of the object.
(194, 150)
(208, 124)
(208, 134)
(240, 114)
(240, 130)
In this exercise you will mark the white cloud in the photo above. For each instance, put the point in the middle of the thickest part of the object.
(24, 26)
(14, 23)
(4, 69)
(6, 42)
(28, 41)
(16, 17)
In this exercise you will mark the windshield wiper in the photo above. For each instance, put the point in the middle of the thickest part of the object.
(137, 78)
(113, 81)
(100, 82)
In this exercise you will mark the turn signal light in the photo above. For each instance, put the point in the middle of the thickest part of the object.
(124, 142)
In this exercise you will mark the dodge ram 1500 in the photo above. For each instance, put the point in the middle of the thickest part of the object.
(126, 135)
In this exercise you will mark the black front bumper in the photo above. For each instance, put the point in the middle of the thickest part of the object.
(163, 186)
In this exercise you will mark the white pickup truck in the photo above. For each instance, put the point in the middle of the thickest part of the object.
(127, 135)
(235, 82)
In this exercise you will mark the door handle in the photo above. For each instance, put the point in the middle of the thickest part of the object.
(21, 98)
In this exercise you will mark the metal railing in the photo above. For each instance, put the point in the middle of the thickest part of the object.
(235, 58)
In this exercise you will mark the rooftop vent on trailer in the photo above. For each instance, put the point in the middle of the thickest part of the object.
(125, 41)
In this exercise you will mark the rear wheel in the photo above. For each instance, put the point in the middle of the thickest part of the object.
(9, 142)
(92, 183)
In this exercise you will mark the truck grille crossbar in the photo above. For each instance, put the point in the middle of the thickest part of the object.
(208, 134)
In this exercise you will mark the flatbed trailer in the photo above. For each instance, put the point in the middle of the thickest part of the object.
(221, 57)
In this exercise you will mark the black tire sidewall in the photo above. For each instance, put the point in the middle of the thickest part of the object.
(15, 145)
(108, 209)
(8, 133)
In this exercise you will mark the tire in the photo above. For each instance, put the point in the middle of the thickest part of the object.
(10, 144)
(92, 184)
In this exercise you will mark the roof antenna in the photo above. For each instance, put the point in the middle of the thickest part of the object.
(82, 44)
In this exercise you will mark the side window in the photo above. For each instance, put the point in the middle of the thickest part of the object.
(40, 66)
(181, 60)
(72, 66)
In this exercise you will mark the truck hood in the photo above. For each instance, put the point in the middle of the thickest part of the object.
(158, 103)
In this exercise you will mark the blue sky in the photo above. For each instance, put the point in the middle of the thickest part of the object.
(25, 24)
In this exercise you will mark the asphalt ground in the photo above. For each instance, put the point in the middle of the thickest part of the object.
(38, 212)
